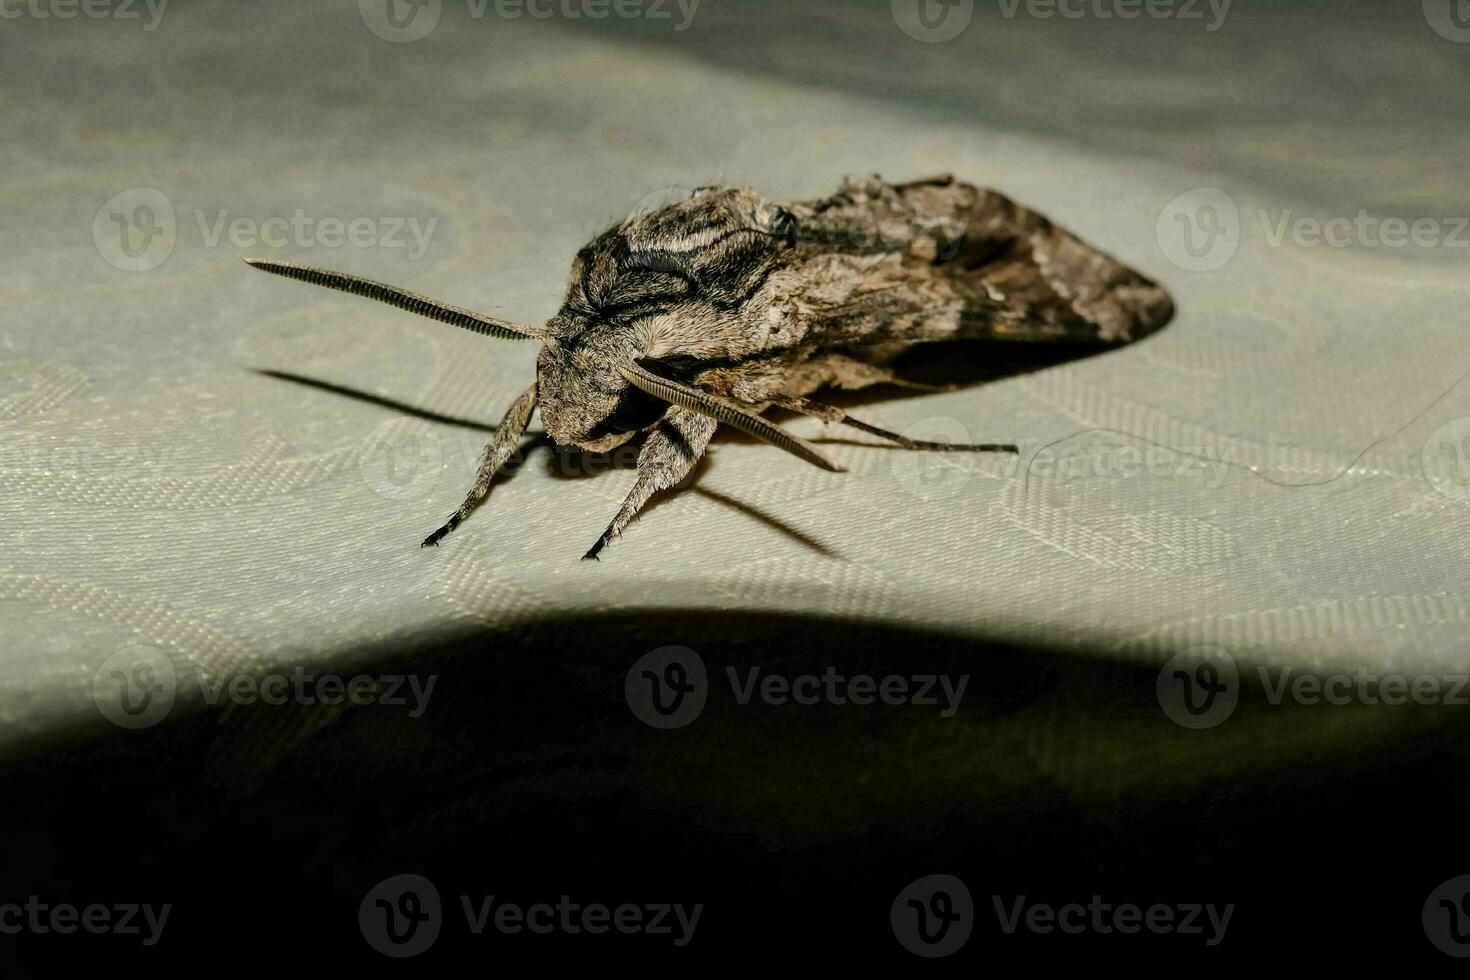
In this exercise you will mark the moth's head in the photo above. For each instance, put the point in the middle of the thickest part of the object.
(584, 401)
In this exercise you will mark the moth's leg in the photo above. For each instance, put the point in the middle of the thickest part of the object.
(920, 386)
(668, 454)
(501, 446)
(831, 413)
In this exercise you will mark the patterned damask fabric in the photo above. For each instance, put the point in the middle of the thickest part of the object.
(1280, 474)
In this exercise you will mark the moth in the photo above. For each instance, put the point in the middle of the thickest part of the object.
(711, 310)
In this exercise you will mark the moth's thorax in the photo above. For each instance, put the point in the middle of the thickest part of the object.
(678, 288)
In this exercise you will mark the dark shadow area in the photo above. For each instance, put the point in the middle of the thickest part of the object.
(381, 400)
(530, 776)
(749, 510)
(969, 362)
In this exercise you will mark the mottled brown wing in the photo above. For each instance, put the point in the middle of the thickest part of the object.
(941, 260)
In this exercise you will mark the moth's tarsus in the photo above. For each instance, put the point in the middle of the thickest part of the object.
(920, 386)
(498, 451)
(706, 311)
(669, 454)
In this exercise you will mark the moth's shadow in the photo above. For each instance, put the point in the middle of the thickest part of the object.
(967, 364)
(988, 360)
(402, 407)
(562, 462)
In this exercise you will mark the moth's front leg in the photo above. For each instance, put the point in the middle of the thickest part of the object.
(668, 454)
(499, 450)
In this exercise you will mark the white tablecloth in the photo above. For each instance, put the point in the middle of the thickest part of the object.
(159, 490)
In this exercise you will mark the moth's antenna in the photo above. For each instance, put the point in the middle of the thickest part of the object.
(722, 411)
(401, 298)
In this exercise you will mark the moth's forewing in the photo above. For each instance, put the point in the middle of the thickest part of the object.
(942, 260)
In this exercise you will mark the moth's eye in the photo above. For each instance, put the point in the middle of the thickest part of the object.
(783, 225)
(634, 411)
